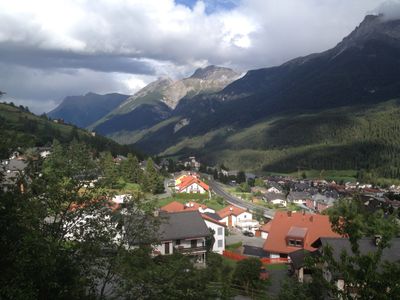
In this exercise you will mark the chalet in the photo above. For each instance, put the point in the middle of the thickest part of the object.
(291, 231)
(276, 199)
(274, 190)
(233, 216)
(185, 233)
(298, 197)
(320, 202)
(212, 220)
(191, 184)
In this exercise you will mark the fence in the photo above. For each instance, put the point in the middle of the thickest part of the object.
(264, 260)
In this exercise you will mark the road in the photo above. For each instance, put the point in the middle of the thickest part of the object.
(218, 189)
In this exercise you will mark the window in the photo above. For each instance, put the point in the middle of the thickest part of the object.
(193, 243)
(292, 243)
(166, 249)
(219, 231)
(178, 242)
(299, 243)
(220, 243)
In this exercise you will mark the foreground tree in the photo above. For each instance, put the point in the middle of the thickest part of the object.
(61, 237)
(247, 275)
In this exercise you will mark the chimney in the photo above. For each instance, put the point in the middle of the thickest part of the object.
(289, 213)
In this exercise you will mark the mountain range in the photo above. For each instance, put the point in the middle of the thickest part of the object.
(156, 102)
(331, 110)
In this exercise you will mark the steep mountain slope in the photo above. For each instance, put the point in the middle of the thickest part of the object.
(156, 101)
(19, 128)
(362, 70)
(84, 110)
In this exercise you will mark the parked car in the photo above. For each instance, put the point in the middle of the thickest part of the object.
(248, 233)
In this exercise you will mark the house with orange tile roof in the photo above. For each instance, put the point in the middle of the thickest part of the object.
(291, 231)
(191, 184)
(176, 206)
(233, 216)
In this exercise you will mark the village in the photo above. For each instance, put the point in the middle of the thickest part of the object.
(278, 219)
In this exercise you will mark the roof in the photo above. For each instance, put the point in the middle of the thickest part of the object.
(296, 223)
(212, 220)
(230, 210)
(274, 196)
(189, 180)
(182, 225)
(297, 232)
(297, 257)
(366, 245)
(266, 227)
(214, 216)
(176, 206)
(299, 196)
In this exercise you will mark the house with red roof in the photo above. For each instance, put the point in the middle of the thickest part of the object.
(233, 216)
(291, 231)
(191, 184)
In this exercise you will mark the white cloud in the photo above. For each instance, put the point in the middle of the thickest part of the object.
(173, 39)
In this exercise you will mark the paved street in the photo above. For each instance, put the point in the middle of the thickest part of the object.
(217, 188)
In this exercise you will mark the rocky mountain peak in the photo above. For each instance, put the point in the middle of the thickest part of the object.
(373, 27)
(213, 73)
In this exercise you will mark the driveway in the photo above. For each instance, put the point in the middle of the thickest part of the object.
(236, 237)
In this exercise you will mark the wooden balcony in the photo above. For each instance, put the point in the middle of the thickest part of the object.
(190, 250)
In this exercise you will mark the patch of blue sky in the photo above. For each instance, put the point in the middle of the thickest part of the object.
(212, 6)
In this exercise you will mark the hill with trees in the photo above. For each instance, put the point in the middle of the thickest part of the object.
(20, 128)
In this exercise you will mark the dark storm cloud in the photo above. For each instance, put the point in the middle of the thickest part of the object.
(20, 54)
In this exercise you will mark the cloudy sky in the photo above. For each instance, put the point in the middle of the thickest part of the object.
(53, 48)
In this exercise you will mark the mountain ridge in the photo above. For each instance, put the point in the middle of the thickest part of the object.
(362, 69)
(84, 110)
(162, 96)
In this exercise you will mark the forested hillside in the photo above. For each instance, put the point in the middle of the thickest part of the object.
(360, 138)
(20, 128)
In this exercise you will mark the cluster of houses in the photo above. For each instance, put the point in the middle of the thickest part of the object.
(317, 195)
(216, 221)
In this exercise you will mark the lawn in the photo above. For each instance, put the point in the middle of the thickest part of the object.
(276, 267)
(234, 246)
